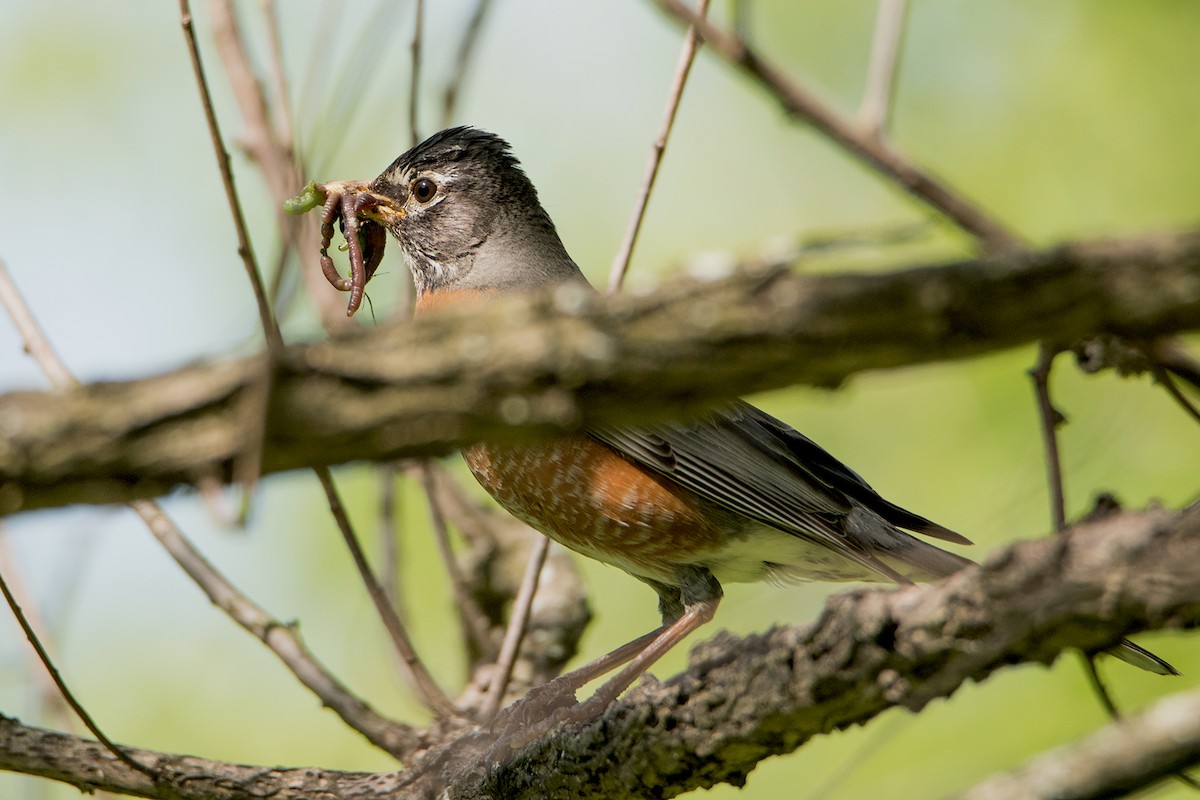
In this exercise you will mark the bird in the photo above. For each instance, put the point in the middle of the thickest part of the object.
(734, 496)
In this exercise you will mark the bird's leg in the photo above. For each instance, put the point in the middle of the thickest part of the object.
(686, 603)
(685, 607)
(694, 616)
(553, 703)
(543, 701)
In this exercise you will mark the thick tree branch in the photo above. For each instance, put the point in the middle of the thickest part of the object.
(527, 366)
(1115, 760)
(743, 699)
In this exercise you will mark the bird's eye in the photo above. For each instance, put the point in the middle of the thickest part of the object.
(424, 190)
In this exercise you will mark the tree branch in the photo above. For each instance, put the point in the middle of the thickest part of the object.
(860, 141)
(529, 366)
(743, 699)
(1111, 762)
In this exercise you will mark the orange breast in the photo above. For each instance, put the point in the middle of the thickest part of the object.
(448, 298)
(593, 500)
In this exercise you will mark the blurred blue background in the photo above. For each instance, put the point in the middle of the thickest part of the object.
(1066, 120)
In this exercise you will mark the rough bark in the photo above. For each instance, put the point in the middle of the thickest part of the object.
(743, 699)
(528, 366)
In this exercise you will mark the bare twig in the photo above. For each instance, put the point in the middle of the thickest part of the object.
(245, 251)
(414, 81)
(801, 102)
(275, 159)
(36, 344)
(474, 622)
(274, 154)
(281, 638)
(31, 333)
(466, 50)
(427, 689)
(51, 700)
(281, 107)
(517, 625)
(1164, 377)
(249, 464)
(66, 693)
(876, 107)
(687, 55)
(1050, 419)
(1098, 686)
(389, 537)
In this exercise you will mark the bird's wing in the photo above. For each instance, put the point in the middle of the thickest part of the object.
(799, 450)
(748, 462)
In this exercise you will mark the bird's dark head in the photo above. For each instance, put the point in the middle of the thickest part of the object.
(470, 217)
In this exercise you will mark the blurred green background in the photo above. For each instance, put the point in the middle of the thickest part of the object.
(1066, 120)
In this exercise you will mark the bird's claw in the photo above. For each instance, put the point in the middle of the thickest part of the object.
(544, 709)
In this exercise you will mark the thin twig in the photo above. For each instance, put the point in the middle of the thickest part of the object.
(245, 251)
(414, 82)
(66, 693)
(281, 116)
(1050, 419)
(51, 700)
(389, 537)
(31, 333)
(1098, 685)
(249, 463)
(281, 638)
(427, 689)
(347, 107)
(801, 102)
(466, 50)
(474, 621)
(876, 108)
(1164, 377)
(424, 684)
(687, 55)
(275, 157)
(518, 623)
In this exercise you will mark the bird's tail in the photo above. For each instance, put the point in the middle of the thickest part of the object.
(917, 560)
(1142, 658)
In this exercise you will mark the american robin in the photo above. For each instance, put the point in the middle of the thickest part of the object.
(735, 496)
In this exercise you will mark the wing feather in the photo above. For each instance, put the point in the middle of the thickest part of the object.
(750, 463)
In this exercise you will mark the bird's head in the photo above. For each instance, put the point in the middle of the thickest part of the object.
(469, 217)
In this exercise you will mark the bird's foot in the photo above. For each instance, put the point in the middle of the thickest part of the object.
(544, 709)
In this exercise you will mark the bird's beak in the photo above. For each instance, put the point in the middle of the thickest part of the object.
(384, 210)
